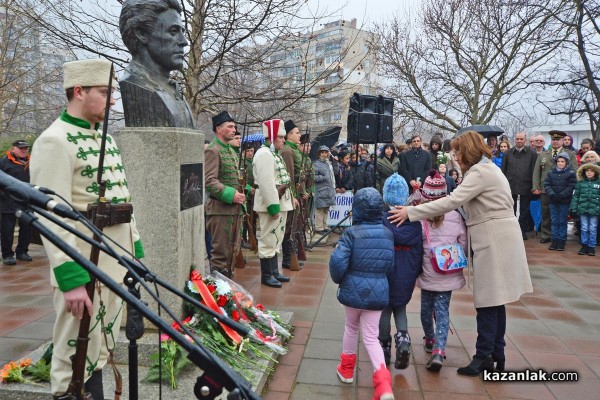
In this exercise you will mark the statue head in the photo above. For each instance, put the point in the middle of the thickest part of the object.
(153, 33)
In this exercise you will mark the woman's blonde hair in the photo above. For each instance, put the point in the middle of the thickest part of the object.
(590, 153)
(469, 148)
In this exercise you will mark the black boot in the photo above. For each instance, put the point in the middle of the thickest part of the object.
(560, 246)
(591, 251)
(286, 250)
(402, 349)
(275, 270)
(94, 386)
(477, 366)
(386, 345)
(266, 276)
(553, 245)
(583, 250)
(499, 360)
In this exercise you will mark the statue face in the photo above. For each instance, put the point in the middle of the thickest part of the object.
(166, 41)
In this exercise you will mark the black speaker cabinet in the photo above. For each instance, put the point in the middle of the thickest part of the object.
(365, 115)
(362, 127)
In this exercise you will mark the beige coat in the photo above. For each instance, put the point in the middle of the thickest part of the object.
(500, 270)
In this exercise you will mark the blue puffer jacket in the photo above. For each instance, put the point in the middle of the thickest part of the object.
(408, 260)
(559, 185)
(364, 256)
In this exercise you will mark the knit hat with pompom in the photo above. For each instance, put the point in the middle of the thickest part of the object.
(434, 186)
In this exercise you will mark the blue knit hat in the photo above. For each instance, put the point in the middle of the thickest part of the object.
(395, 190)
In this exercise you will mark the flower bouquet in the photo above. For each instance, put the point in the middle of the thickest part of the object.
(245, 356)
(442, 158)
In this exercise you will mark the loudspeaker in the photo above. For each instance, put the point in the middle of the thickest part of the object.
(362, 127)
(370, 119)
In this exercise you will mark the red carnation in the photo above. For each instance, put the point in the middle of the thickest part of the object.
(260, 307)
(235, 315)
(222, 300)
(211, 288)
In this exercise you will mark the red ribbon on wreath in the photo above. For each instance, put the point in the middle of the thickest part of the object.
(209, 300)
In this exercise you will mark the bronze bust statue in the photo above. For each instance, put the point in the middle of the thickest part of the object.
(154, 35)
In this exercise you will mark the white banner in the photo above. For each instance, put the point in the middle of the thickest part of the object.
(342, 207)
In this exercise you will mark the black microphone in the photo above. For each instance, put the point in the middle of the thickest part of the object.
(24, 194)
(43, 189)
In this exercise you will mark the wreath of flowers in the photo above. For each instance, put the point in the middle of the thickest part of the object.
(268, 332)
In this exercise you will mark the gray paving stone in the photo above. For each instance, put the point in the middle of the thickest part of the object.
(34, 330)
(324, 392)
(319, 372)
(323, 349)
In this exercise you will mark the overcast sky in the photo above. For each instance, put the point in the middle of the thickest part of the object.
(365, 11)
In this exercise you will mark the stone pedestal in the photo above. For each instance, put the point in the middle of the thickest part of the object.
(173, 238)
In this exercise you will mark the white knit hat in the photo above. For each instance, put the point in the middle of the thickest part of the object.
(87, 73)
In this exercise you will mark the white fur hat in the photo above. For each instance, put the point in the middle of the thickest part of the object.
(87, 73)
(273, 128)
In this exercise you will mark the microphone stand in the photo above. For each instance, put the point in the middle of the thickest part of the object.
(134, 329)
(207, 387)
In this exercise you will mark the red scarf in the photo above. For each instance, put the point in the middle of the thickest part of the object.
(17, 161)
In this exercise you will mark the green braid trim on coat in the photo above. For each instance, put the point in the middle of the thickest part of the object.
(138, 249)
(274, 209)
(70, 275)
(80, 136)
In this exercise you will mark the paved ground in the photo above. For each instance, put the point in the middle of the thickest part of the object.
(556, 328)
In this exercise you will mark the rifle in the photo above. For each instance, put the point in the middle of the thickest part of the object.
(237, 258)
(101, 215)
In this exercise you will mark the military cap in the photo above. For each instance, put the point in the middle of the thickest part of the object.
(555, 134)
(221, 118)
(323, 148)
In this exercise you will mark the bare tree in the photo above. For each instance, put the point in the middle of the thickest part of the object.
(469, 60)
(234, 57)
(27, 78)
(576, 74)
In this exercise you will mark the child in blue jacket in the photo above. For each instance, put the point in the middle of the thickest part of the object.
(558, 186)
(361, 264)
(408, 255)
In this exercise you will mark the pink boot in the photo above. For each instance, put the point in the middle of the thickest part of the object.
(345, 368)
(382, 384)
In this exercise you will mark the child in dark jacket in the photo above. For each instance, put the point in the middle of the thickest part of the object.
(586, 203)
(361, 264)
(408, 252)
(559, 185)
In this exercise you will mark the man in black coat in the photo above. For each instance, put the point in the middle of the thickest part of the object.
(16, 164)
(415, 163)
(517, 166)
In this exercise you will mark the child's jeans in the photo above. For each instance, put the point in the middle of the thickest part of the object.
(589, 229)
(438, 302)
(385, 326)
(558, 220)
(368, 321)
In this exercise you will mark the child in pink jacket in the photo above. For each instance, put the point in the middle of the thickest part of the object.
(436, 288)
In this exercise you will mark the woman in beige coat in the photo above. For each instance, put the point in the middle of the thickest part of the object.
(500, 276)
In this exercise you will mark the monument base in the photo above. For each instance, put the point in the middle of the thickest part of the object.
(162, 167)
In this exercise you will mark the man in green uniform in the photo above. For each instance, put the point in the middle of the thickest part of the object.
(292, 157)
(224, 203)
